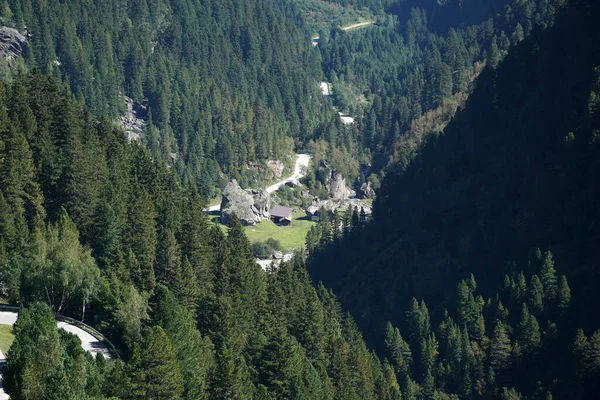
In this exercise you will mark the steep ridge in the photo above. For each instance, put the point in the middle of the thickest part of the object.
(514, 171)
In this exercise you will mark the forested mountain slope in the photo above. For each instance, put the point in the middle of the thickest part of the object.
(220, 83)
(405, 68)
(516, 170)
(94, 228)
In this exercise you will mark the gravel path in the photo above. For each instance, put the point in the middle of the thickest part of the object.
(354, 26)
(299, 171)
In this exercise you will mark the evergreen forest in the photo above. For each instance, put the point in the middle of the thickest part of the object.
(476, 122)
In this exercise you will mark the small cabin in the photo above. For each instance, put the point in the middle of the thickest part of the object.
(281, 215)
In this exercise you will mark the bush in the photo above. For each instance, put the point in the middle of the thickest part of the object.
(274, 244)
(261, 250)
(265, 249)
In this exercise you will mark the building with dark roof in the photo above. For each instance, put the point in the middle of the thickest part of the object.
(281, 215)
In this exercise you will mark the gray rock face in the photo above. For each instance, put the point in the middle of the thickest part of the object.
(319, 206)
(237, 201)
(366, 191)
(277, 167)
(262, 202)
(336, 186)
(250, 205)
(12, 43)
(132, 122)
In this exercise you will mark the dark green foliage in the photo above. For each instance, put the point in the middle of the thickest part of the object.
(228, 82)
(529, 331)
(500, 348)
(192, 314)
(44, 362)
(265, 249)
(416, 62)
(398, 352)
(455, 211)
(468, 204)
(219, 83)
(157, 374)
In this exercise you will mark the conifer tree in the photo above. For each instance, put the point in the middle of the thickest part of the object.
(186, 285)
(548, 277)
(581, 353)
(141, 234)
(536, 295)
(158, 374)
(106, 238)
(168, 259)
(35, 357)
(564, 294)
(397, 351)
(500, 348)
(594, 355)
(429, 353)
(8, 232)
(529, 331)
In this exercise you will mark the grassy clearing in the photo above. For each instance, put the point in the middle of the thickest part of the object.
(291, 237)
(6, 337)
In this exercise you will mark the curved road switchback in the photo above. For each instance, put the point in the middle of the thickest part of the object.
(88, 342)
(300, 168)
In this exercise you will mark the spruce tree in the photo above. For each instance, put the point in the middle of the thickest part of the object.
(500, 348)
(158, 374)
(548, 277)
(564, 294)
(581, 354)
(536, 295)
(529, 332)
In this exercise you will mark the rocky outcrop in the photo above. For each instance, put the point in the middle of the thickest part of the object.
(237, 201)
(276, 167)
(262, 201)
(366, 191)
(318, 206)
(12, 44)
(336, 186)
(133, 122)
(250, 205)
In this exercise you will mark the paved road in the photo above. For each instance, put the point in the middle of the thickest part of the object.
(88, 342)
(299, 171)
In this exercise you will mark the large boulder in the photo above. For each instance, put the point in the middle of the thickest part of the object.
(237, 201)
(336, 186)
(366, 191)
(262, 202)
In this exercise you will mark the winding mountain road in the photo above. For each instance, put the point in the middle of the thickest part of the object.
(300, 169)
(88, 342)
